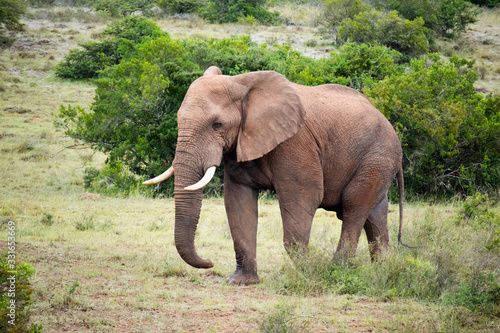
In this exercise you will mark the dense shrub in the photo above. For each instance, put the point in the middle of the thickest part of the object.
(228, 11)
(388, 29)
(87, 62)
(134, 115)
(119, 8)
(118, 42)
(444, 17)
(448, 131)
(354, 65)
(454, 16)
(335, 12)
(181, 6)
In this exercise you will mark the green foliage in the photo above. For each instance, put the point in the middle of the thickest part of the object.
(112, 180)
(15, 286)
(181, 6)
(448, 131)
(228, 11)
(454, 16)
(405, 36)
(118, 42)
(488, 3)
(86, 63)
(495, 242)
(476, 211)
(118, 8)
(482, 294)
(403, 276)
(335, 12)
(362, 64)
(444, 17)
(10, 14)
(314, 274)
(411, 10)
(47, 219)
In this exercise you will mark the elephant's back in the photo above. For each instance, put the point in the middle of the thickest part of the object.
(349, 132)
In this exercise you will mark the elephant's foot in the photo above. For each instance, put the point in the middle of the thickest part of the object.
(238, 277)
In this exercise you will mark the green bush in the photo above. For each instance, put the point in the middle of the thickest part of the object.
(181, 6)
(18, 276)
(476, 210)
(482, 294)
(228, 11)
(112, 180)
(118, 42)
(118, 8)
(335, 12)
(448, 131)
(442, 17)
(405, 36)
(411, 10)
(454, 16)
(87, 62)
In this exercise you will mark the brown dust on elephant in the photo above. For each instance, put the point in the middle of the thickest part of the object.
(316, 147)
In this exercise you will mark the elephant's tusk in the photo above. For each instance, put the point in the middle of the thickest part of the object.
(209, 174)
(161, 177)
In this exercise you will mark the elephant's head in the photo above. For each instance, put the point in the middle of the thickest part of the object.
(249, 113)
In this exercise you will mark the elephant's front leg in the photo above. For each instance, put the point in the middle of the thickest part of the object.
(242, 214)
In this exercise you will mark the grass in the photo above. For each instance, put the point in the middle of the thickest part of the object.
(110, 264)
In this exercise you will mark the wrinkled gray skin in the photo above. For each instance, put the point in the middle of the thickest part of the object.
(317, 147)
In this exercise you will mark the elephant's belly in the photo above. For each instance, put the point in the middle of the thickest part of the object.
(331, 202)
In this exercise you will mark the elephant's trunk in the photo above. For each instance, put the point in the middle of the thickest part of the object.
(187, 214)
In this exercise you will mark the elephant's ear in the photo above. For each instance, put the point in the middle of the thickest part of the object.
(212, 70)
(272, 112)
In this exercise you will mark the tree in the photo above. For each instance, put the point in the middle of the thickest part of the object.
(228, 11)
(454, 16)
(335, 12)
(405, 36)
(10, 14)
(449, 132)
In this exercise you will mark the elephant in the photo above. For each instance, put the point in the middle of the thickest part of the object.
(316, 147)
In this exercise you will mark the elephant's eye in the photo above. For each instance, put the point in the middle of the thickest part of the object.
(216, 126)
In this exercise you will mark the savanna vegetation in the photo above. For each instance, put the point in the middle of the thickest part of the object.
(89, 93)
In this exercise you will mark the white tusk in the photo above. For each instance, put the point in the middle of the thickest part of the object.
(209, 174)
(161, 177)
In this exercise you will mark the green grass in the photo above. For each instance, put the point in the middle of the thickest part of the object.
(110, 264)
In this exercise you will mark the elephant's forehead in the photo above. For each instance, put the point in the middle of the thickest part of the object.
(204, 97)
(208, 86)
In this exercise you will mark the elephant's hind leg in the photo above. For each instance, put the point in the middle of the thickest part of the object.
(359, 200)
(376, 229)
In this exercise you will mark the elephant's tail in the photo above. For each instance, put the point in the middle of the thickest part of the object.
(401, 187)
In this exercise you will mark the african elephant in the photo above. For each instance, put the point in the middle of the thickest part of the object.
(316, 147)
